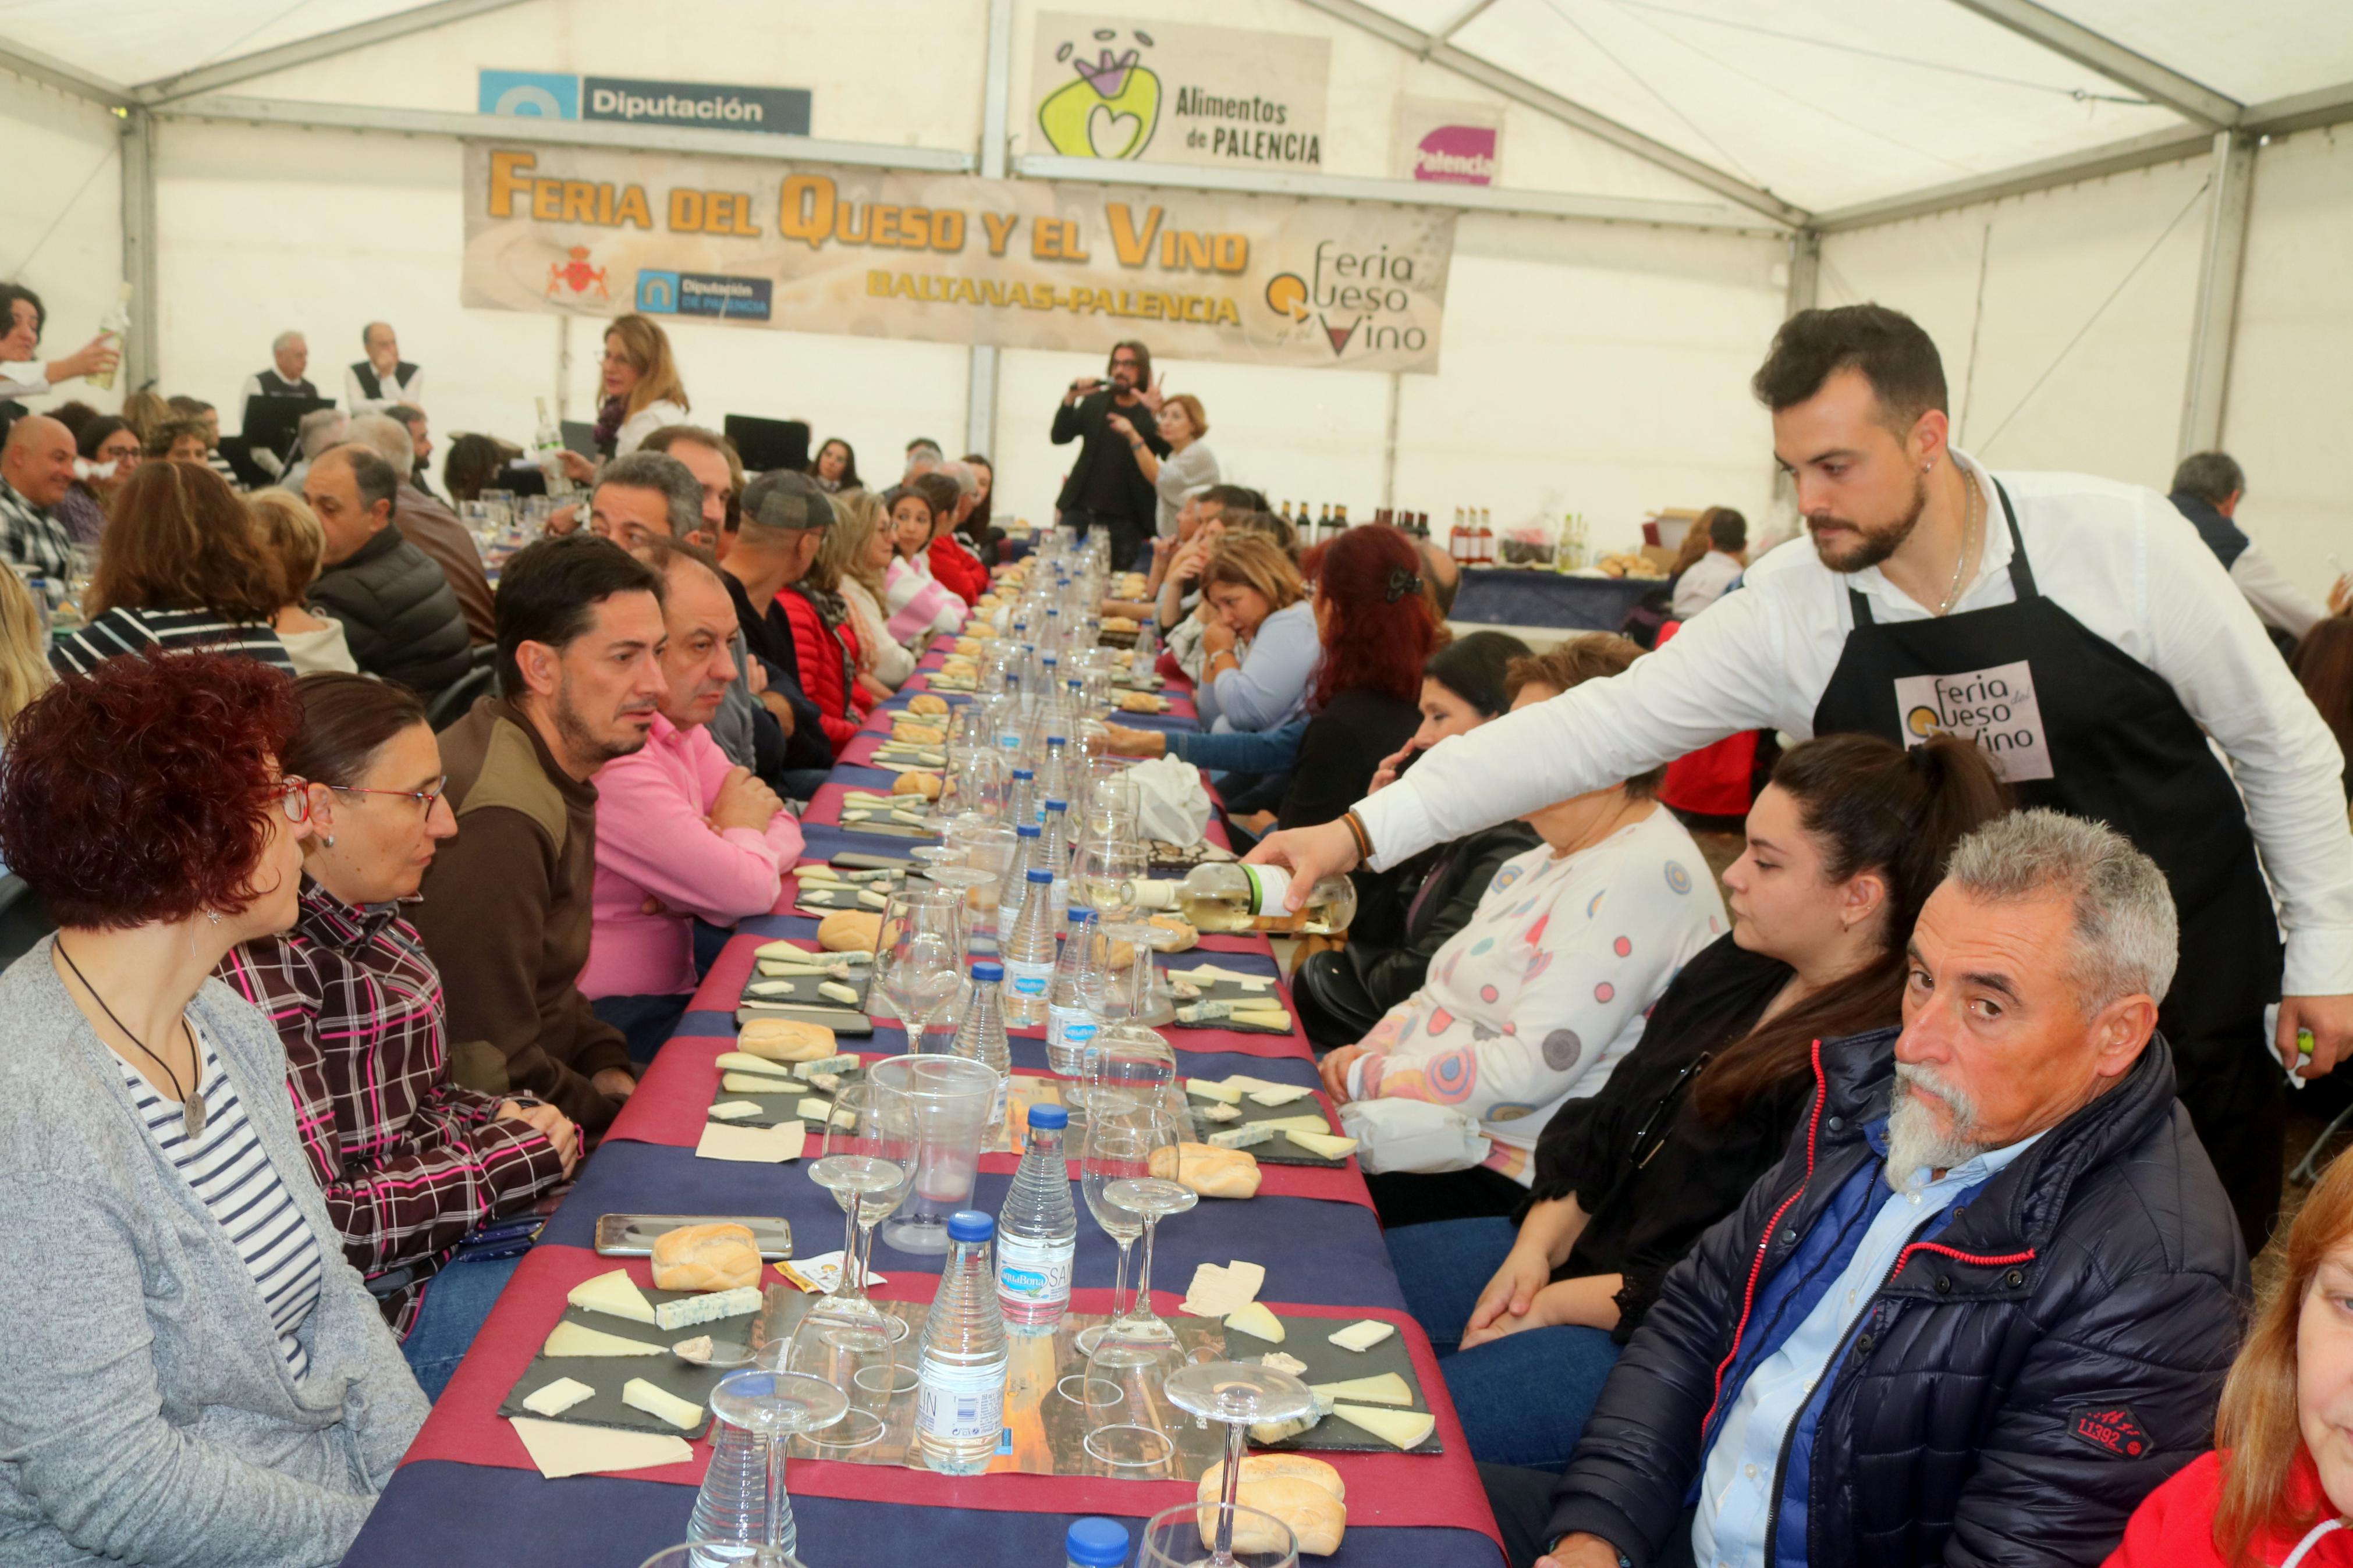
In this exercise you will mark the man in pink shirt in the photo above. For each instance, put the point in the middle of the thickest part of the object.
(682, 833)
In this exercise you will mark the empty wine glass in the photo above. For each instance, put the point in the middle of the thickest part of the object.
(773, 1406)
(919, 954)
(1128, 1062)
(1240, 1394)
(1177, 1537)
(867, 1161)
(1132, 1154)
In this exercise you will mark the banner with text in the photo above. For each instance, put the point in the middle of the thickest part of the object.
(1102, 86)
(956, 259)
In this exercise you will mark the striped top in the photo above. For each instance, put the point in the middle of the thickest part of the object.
(228, 1170)
(122, 630)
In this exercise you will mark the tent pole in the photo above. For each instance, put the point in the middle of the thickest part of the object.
(2215, 326)
(141, 362)
(1805, 273)
(996, 109)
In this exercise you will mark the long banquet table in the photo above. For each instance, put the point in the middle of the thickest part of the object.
(467, 1495)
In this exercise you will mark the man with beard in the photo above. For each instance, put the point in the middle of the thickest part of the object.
(1105, 488)
(1986, 1302)
(2076, 628)
(506, 910)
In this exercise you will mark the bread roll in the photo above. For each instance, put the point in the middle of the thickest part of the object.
(924, 702)
(1182, 937)
(785, 1039)
(919, 734)
(848, 930)
(1120, 624)
(915, 782)
(706, 1258)
(1209, 1171)
(1141, 702)
(1305, 1493)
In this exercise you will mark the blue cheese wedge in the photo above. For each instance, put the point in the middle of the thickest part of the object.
(704, 1309)
(807, 1071)
(1272, 1432)
(1242, 1137)
(682, 1414)
(614, 1294)
(826, 1082)
(733, 1110)
(557, 1397)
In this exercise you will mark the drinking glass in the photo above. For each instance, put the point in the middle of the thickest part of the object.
(1177, 1537)
(1132, 1163)
(989, 847)
(950, 1099)
(773, 1406)
(1128, 1062)
(919, 954)
(867, 1161)
(855, 1356)
(1237, 1393)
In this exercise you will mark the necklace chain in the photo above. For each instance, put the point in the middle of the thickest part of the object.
(1970, 502)
(191, 1107)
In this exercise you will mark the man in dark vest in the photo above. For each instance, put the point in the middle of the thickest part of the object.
(284, 378)
(2075, 627)
(383, 378)
(2207, 489)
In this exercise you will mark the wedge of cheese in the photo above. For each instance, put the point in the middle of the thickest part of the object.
(1277, 1431)
(1258, 1322)
(1313, 1122)
(1331, 1145)
(1388, 1388)
(754, 1083)
(1210, 1089)
(557, 1397)
(1242, 1137)
(1363, 1335)
(840, 1063)
(578, 1338)
(682, 1414)
(715, 1304)
(745, 1061)
(616, 1295)
(1398, 1428)
(733, 1111)
(1280, 1094)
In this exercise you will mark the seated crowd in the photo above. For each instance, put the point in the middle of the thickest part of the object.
(1844, 1213)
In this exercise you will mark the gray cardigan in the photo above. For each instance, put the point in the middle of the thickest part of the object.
(146, 1413)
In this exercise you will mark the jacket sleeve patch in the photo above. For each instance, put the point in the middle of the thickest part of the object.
(2112, 1430)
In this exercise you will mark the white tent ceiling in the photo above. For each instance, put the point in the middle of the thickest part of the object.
(1824, 104)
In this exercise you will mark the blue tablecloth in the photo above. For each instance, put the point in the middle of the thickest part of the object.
(1500, 597)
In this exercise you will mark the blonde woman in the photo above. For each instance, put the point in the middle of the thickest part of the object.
(1262, 647)
(24, 673)
(290, 535)
(861, 547)
(1188, 467)
(642, 393)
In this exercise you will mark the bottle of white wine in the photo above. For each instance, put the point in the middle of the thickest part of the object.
(1224, 896)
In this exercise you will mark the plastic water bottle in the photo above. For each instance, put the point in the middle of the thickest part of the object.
(1021, 799)
(980, 1037)
(1027, 845)
(1038, 1229)
(1054, 853)
(1028, 953)
(1074, 1004)
(1147, 648)
(731, 1511)
(1094, 1543)
(960, 1395)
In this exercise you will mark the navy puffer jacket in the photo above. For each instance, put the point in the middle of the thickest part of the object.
(2016, 1387)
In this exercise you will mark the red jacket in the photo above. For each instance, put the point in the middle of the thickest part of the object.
(825, 675)
(958, 569)
(2174, 1527)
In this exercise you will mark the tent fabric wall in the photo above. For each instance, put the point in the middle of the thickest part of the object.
(61, 189)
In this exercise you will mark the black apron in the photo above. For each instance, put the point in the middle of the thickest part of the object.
(2080, 726)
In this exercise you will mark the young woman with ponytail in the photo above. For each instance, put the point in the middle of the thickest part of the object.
(1844, 846)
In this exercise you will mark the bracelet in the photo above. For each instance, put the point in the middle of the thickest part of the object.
(1355, 827)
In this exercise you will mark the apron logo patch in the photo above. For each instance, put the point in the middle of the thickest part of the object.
(1995, 708)
(2112, 1431)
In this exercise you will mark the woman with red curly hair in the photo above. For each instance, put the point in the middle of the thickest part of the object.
(194, 1373)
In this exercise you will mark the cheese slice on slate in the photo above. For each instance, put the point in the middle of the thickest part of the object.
(579, 1339)
(1210, 1089)
(1398, 1428)
(1243, 1137)
(755, 1083)
(1363, 1335)
(1330, 1145)
(1280, 1094)
(807, 1071)
(1313, 1121)
(1265, 1432)
(682, 1414)
(1388, 1388)
(1279, 1362)
(614, 1295)
(786, 951)
(1217, 1289)
(558, 1397)
(1257, 1321)
(745, 1061)
(703, 1309)
(733, 1110)
(1219, 1110)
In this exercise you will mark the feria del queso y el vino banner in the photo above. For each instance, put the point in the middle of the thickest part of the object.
(956, 259)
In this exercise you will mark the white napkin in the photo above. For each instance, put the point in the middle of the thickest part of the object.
(757, 1145)
(560, 1448)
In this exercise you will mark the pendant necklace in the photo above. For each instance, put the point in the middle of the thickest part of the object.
(1969, 530)
(192, 1103)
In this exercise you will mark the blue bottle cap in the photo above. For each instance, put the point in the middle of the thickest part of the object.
(1039, 873)
(1028, 830)
(1048, 1116)
(1057, 805)
(1096, 1544)
(987, 969)
(970, 1225)
(1023, 774)
(1080, 912)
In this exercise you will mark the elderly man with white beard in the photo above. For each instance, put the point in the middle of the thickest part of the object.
(1986, 1302)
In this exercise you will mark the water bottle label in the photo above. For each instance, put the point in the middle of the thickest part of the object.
(1034, 1270)
(1026, 979)
(961, 1404)
(1070, 1028)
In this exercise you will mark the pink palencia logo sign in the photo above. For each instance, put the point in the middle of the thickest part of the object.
(1457, 155)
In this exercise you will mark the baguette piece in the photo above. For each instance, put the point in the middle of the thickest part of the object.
(706, 1258)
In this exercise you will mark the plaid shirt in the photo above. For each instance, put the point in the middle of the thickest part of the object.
(33, 536)
(410, 1162)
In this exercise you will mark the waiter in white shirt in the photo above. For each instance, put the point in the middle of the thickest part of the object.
(2076, 628)
(383, 378)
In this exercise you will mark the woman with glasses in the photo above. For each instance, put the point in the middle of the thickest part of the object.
(194, 1373)
(1844, 846)
(411, 1162)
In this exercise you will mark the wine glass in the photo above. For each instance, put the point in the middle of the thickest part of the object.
(1128, 1062)
(1098, 1168)
(773, 1406)
(855, 1356)
(1237, 1393)
(919, 954)
(867, 1161)
(1115, 874)
(1174, 1537)
(1128, 1177)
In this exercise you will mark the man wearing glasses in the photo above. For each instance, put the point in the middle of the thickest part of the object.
(1105, 488)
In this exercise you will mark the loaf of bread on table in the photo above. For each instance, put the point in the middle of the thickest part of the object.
(706, 1258)
(785, 1039)
(1207, 1170)
(1305, 1493)
(924, 702)
(916, 781)
(848, 930)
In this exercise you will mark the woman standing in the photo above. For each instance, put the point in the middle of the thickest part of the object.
(409, 1161)
(1188, 467)
(860, 545)
(194, 1373)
